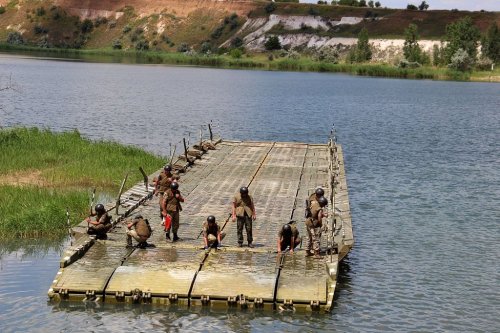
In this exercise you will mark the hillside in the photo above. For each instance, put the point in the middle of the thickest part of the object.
(201, 25)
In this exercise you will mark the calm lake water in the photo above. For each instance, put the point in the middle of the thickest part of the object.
(423, 166)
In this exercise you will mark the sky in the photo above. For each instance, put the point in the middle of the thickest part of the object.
(473, 5)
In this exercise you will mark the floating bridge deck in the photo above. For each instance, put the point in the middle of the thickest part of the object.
(280, 176)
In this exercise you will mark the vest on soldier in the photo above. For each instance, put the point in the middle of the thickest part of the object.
(104, 219)
(243, 205)
(172, 204)
(313, 221)
(164, 182)
(142, 228)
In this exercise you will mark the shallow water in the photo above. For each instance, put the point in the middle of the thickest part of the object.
(422, 160)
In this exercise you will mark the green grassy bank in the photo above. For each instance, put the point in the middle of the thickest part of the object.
(42, 173)
(256, 61)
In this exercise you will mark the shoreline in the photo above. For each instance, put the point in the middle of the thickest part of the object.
(255, 62)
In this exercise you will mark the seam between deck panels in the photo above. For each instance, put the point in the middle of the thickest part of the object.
(283, 258)
(111, 276)
(225, 223)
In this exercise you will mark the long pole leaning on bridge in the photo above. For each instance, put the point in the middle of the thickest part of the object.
(117, 206)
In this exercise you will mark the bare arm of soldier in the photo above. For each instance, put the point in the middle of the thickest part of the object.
(234, 210)
(254, 216)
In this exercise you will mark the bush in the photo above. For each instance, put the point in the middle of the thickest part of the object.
(236, 42)
(235, 53)
(206, 47)
(184, 47)
(15, 38)
(217, 32)
(117, 44)
(408, 64)
(111, 24)
(100, 20)
(484, 64)
(272, 43)
(87, 26)
(313, 11)
(270, 7)
(38, 29)
(126, 29)
(411, 7)
(461, 61)
(142, 45)
(40, 11)
(2, 10)
(327, 54)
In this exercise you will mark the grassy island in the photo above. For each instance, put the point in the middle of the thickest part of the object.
(42, 173)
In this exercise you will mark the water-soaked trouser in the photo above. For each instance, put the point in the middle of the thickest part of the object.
(286, 243)
(314, 238)
(175, 221)
(244, 221)
(99, 230)
(212, 240)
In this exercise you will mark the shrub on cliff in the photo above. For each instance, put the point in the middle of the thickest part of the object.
(15, 38)
(2, 10)
(272, 43)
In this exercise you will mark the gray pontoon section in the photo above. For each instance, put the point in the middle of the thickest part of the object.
(280, 176)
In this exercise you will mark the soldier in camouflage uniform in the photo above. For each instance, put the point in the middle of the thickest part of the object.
(102, 223)
(171, 205)
(314, 226)
(244, 212)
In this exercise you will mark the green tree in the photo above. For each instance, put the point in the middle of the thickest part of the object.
(363, 49)
(411, 49)
(490, 45)
(272, 43)
(423, 6)
(371, 4)
(378, 4)
(464, 35)
(411, 7)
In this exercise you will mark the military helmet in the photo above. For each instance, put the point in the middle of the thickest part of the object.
(174, 186)
(323, 201)
(244, 190)
(167, 168)
(211, 219)
(287, 229)
(99, 208)
(319, 192)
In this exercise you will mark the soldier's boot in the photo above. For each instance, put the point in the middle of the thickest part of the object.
(250, 245)
(176, 238)
(167, 235)
(129, 241)
(309, 253)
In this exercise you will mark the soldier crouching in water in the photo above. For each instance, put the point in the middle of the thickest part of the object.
(101, 225)
(244, 212)
(212, 236)
(141, 231)
(288, 237)
(171, 205)
(314, 226)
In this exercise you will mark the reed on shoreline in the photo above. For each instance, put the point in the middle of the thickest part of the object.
(42, 173)
(262, 62)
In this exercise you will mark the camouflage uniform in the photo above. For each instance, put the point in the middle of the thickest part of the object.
(102, 228)
(286, 241)
(141, 231)
(244, 215)
(173, 207)
(314, 226)
(210, 232)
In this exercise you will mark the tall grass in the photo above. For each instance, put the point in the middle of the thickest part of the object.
(68, 160)
(33, 211)
(58, 169)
